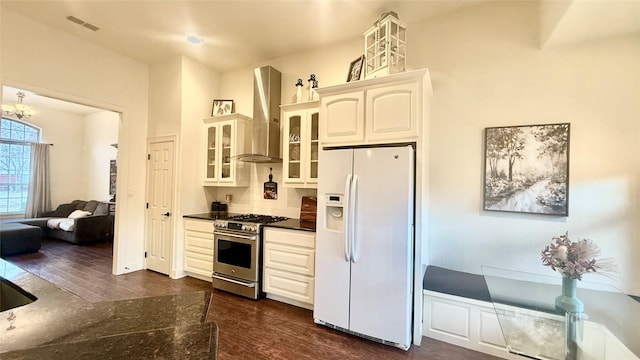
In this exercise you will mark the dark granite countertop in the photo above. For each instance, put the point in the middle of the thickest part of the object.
(206, 216)
(61, 325)
(292, 224)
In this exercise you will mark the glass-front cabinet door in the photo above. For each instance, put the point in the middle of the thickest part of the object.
(312, 162)
(227, 153)
(300, 144)
(211, 152)
(226, 137)
(292, 167)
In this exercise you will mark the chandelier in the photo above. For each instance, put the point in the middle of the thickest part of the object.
(19, 110)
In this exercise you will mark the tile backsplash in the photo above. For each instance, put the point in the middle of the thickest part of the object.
(251, 199)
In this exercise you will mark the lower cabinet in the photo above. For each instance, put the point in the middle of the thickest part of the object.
(289, 266)
(198, 248)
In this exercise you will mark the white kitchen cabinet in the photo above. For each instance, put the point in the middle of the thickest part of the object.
(289, 266)
(389, 109)
(300, 144)
(198, 248)
(342, 117)
(226, 137)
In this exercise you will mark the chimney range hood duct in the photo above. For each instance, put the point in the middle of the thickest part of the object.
(266, 116)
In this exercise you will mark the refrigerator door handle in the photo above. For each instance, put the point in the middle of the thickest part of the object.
(347, 219)
(355, 254)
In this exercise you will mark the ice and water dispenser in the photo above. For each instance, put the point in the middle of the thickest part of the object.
(334, 211)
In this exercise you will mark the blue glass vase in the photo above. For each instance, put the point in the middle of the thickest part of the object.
(568, 300)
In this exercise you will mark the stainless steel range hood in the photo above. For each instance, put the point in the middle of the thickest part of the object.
(266, 116)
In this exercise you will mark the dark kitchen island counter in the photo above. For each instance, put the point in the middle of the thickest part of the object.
(61, 325)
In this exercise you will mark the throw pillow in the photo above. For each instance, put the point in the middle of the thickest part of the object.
(67, 225)
(78, 214)
(54, 223)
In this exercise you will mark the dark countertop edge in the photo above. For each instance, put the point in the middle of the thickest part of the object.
(203, 216)
(291, 224)
(294, 224)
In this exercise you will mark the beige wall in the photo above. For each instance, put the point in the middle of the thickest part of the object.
(66, 156)
(53, 63)
(100, 131)
(79, 159)
(487, 70)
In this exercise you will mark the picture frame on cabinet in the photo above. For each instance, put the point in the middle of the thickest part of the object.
(222, 107)
(355, 69)
(526, 169)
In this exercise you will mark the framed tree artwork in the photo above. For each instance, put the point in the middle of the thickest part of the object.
(527, 169)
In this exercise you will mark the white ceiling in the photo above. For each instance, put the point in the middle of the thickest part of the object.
(235, 33)
(240, 33)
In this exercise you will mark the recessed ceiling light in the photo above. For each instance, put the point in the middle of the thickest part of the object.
(194, 39)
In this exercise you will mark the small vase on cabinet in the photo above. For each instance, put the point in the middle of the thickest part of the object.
(568, 301)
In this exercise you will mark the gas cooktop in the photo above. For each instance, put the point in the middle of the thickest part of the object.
(250, 223)
(256, 218)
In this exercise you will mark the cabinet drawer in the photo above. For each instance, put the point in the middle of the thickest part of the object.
(290, 237)
(199, 264)
(290, 259)
(198, 242)
(199, 225)
(292, 286)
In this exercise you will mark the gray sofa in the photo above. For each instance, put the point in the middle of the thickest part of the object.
(92, 228)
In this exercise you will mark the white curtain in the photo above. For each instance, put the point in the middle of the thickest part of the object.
(39, 197)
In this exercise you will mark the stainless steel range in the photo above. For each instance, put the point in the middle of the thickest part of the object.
(237, 253)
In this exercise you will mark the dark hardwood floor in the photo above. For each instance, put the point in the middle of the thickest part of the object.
(85, 270)
(248, 329)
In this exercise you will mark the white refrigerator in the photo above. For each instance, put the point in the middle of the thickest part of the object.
(364, 242)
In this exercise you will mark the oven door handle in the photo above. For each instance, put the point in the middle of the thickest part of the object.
(250, 285)
(235, 235)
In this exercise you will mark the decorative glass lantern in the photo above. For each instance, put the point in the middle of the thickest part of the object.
(385, 46)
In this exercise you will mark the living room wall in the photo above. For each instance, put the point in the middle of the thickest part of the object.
(487, 70)
(79, 157)
(53, 63)
(66, 157)
(100, 132)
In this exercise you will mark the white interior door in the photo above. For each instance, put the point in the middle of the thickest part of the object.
(159, 223)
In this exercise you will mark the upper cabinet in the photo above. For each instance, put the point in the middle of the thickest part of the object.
(374, 111)
(300, 144)
(226, 137)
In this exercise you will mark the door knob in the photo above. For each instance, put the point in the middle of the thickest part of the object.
(166, 214)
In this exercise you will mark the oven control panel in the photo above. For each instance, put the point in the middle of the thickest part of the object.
(236, 226)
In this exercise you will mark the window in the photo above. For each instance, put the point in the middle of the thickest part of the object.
(15, 158)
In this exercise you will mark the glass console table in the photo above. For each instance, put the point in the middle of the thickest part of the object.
(535, 328)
